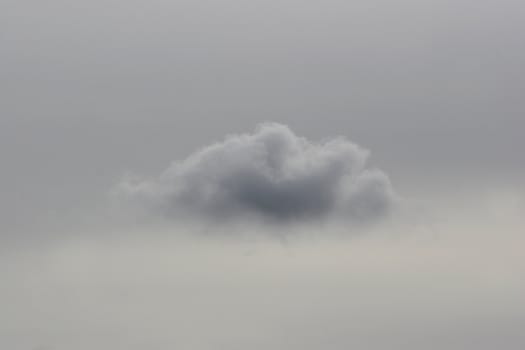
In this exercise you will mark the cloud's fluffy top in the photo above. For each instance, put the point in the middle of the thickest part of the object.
(271, 174)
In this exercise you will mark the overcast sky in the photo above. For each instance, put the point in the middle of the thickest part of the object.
(262, 174)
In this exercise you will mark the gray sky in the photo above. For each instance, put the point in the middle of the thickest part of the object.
(92, 91)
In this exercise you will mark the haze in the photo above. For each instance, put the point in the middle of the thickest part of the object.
(262, 174)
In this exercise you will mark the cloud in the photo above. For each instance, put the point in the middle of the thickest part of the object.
(269, 175)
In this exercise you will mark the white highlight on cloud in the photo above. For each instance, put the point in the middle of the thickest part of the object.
(269, 175)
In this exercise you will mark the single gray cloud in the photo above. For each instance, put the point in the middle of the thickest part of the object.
(271, 174)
